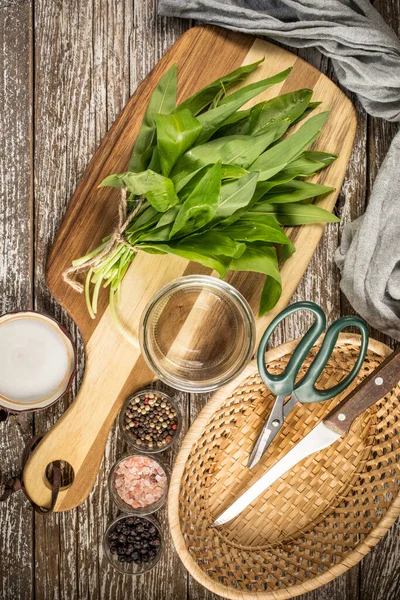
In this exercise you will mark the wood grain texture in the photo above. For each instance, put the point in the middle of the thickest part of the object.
(91, 56)
(385, 558)
(113, 366)
(365, 395)
(16, 251)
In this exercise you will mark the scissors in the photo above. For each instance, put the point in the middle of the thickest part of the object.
(284, 385)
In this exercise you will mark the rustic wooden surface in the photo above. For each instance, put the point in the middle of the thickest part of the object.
(114, 367)
(68, 67)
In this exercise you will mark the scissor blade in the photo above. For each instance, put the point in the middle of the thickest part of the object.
(319, 438)
(271, 428)
(261, 445)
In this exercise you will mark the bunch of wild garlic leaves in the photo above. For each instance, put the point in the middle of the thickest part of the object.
(217, 184)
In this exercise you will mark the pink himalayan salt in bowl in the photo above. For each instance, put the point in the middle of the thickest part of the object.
(138, 484)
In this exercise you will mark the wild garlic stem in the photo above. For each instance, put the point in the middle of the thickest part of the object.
(80, 261)
(121, 328)
(87, 293)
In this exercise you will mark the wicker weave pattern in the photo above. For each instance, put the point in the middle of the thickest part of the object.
(310, 520)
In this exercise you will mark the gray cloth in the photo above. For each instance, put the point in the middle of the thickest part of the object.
(366, 56)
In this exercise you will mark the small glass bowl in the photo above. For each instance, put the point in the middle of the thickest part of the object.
(127, 508)
(197, 333)
(131, 568)
(125, 433)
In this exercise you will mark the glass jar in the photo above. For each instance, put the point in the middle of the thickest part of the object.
(132, 568)
(126, 432)
(197, 333)
(141, 491)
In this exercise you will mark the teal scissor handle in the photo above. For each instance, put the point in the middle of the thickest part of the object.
(283, 385)
(305, 390)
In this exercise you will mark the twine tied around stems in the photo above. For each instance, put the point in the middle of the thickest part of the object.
(116, 238)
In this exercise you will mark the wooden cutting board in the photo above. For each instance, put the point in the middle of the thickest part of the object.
(114, 367)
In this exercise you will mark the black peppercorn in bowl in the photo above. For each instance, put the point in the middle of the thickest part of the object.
(150, 421)
(133, 545)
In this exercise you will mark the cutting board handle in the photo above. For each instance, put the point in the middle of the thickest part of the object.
(79, 438)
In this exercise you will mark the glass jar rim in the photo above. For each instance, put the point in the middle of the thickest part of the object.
(208, 282)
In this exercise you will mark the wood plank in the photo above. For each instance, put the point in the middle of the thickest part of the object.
(380, 570)
(68, 129)
(90, 58)
(16, 521)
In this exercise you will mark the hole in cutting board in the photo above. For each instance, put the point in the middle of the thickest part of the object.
(67, 474)
(3, 415)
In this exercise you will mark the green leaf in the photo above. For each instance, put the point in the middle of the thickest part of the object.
(308, 163)
(253, 230)
(163, 196)
(284, 109)
(145, 219)
(270, 295)
(204, 97)
(237, 150)
(276, 158)
(301, 167)
(162, 229)
(176, 133)
(263, 187)
(296, 214)
(232, 172)
(159, 190)
(154, 164)
(260, 217)
(295, 191)
(197, 176)
(197, 252)
(163, 100)
(263, 83)
(227, 172)
(213, 118)
(286, 252)
(326, 157)
(217, 98)
(140, 183)
(259, 258)
(310, 108)
(114, 181)
(151, 248)
(216, 242)
(235, 195)
(168, 217)
(236, 124)
(199, 208)
(159, 234)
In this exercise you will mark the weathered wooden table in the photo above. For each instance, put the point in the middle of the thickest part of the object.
(67, 69)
